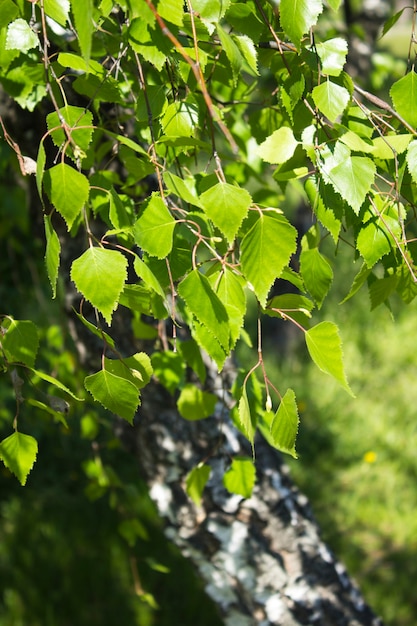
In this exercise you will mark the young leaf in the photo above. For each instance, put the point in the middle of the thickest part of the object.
(247, 421)
(232, 52)
(412, 160)
(83, 17)
(404, 97)
(240, 477)
(67, 190)
(284, 426)
(196, 481)
(21, 37)
(154, 229)
(206, 306)
(79, 124)
(195, 404)
(20, 342)
(249, 52)
(116, 394)
(330, 99)
(278, 147)
(352, 179)
(58, 10)
(227, 206)
(375, 238)
(172, 11)
(298, 16)
(332, 55)
(180, 119)
(52, 253)
(317, 274)
(325, 348)
(266, 249)
(358, 282)
(231, 293)
(100, 274)
(18, 453)
(56, 383)
(322, 206)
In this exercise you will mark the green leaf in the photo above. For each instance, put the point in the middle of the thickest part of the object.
(317, 274)
(358, 282)
(206, 306)
(298, 16)
(230, 291)
(352, 179)
(247, 420)
(58, 10)
(154, 229)
(195, 404)
(284, 426)
(412, 160)
(20, 342)
(184, 188)
(172, 11)
(56, 383)
(375, 238)
(232, 52)
(40, 169)
(180, 119)
(52, 253)
(209, 342)
(404, 97)
(322, 206)
(100, 274)
(18, 453)
(240, 477)
(168, 369)
(381, 289)
(249, 52)
(83, 16)
(265, 250)
(278, 147)
(116, 394)
(332, 54)
(227, 206)
(330, 99)
(196, 481)
(8, 11)
(191, 354)
(68, 191)
(79, 124)
(325, 348)
(390, 146)
(21, 37)
(98, 332)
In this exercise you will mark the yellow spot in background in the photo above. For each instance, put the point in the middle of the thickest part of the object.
(369, 457)
(301, 405)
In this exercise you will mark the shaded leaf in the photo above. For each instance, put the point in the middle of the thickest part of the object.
(52, 253)
(317, 274)
(20, 342)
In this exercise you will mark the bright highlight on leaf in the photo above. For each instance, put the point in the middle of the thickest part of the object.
(298, 16)
(278, 147)
(18, 453)
(325, 348)
(404, 97)
(20, 36)
(100, 274)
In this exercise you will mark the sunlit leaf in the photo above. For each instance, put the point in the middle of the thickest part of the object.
(115, 393)
(330, 99)
(100, 274)
(325, 348)
(18, 453)
(332, 55)
(195, 404)
(298, 16)
(284, 426)
(240, 477)
(20, 36)
(278, 147)
(196, 481)
(404, 97)
(20, 342)
(317, 274)
(352, 179)
(227, 206)
(153, 230)
(68, 191)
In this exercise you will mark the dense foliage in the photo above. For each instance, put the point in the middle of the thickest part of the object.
(172, 134)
